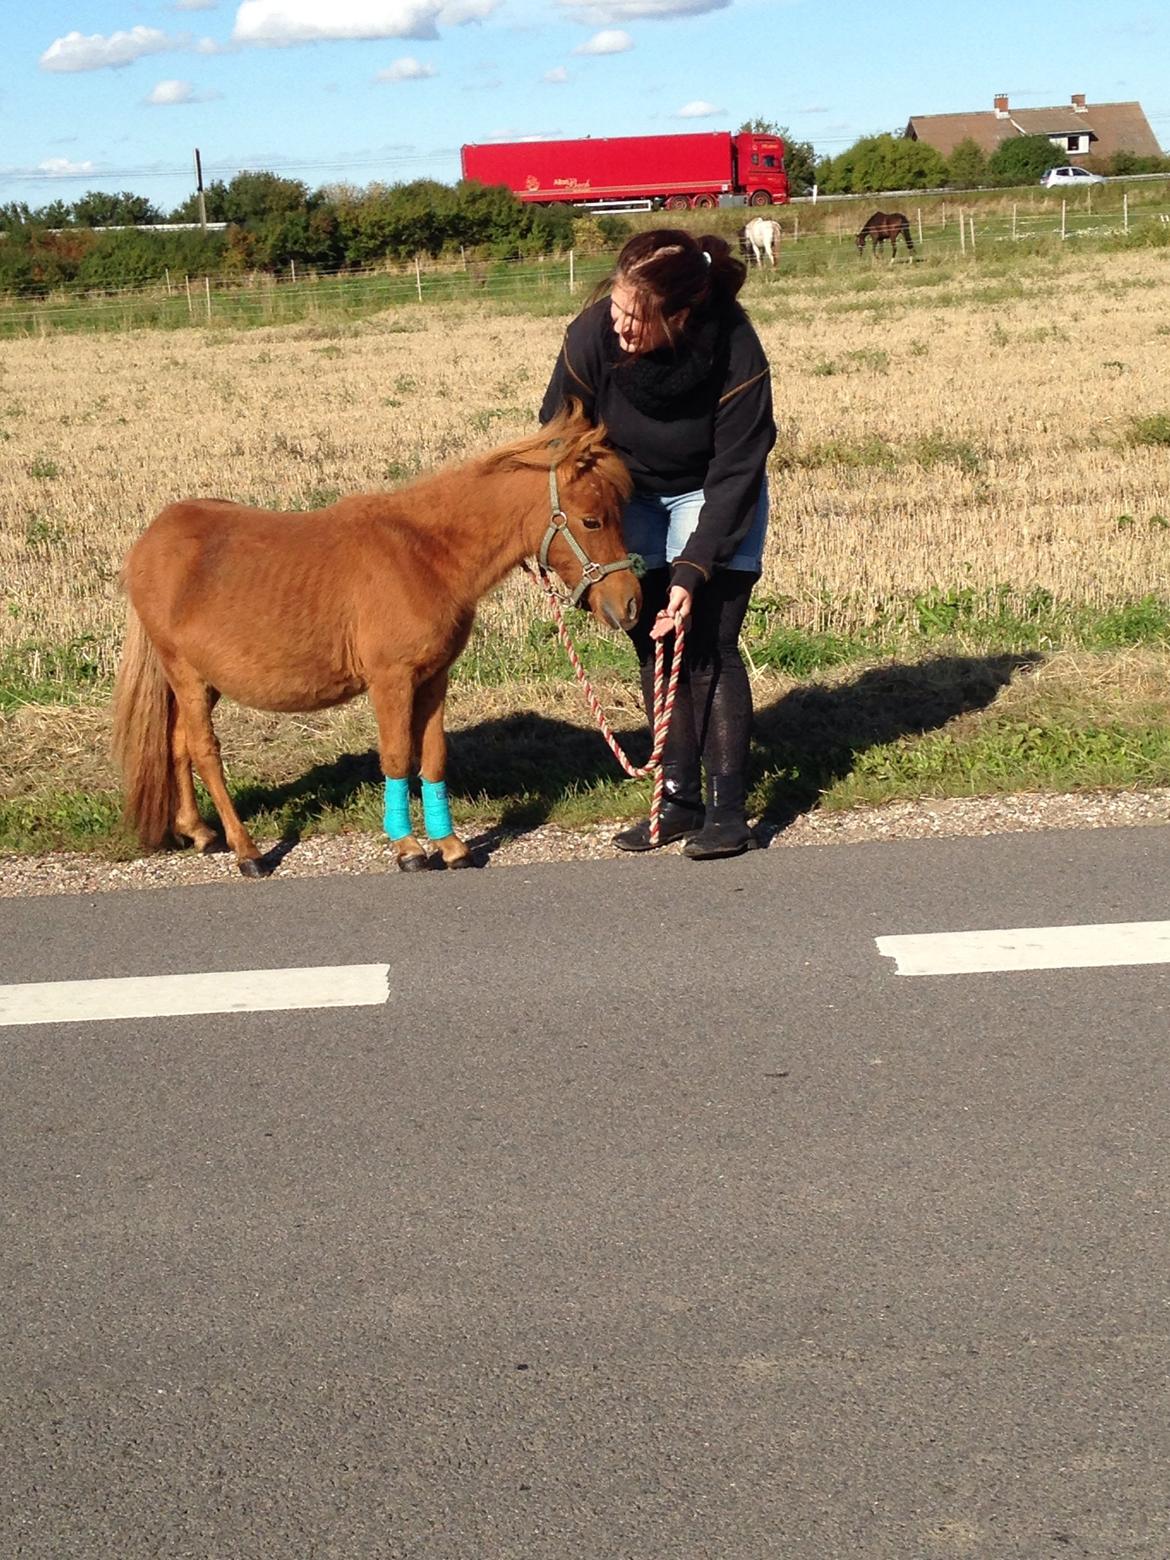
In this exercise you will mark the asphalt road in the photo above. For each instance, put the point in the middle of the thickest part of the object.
(653, 1216)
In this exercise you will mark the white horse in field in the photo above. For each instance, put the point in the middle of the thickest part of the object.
(762, 237)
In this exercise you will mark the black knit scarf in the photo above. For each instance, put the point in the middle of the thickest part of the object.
(658, 383)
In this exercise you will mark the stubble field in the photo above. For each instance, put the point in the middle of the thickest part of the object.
(968, 459)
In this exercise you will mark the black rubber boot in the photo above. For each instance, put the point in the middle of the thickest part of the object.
(725, 829)
(682, 811)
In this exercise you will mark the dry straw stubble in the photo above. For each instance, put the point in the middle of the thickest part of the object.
(973, 441)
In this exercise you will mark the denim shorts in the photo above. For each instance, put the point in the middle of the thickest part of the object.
(659, 528)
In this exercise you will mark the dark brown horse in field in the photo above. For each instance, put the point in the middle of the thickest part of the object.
(882, 225)
(378, 592)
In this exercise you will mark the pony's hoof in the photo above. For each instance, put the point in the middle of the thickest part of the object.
(415, 862)
(251, 867)
(459, 863)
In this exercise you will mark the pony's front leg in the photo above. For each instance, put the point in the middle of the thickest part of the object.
(431, 742)
(392, 695)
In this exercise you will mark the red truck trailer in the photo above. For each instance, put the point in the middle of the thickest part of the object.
(674, 171)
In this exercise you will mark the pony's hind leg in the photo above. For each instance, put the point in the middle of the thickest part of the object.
(196, 702)
(430, 739)
(188, 822)
(392, 695)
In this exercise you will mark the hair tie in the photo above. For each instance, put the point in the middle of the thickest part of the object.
(706, 256)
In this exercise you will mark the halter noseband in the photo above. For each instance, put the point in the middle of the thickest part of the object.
(591, 572)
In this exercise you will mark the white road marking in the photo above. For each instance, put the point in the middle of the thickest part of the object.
(1029, 948)
(173, 996)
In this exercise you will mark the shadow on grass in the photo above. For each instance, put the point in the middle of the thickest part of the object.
(811, 738)
(804, 743)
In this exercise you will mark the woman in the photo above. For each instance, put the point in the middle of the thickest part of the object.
(670, 363)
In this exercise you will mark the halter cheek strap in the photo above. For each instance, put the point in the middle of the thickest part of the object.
(591, 572)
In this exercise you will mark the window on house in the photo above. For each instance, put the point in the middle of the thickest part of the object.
(769, 162)
(1076, 143)
(755, 159)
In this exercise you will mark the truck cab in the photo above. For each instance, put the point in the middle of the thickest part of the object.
(759, 169)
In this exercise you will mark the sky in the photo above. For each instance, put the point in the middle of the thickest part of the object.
(116, 94)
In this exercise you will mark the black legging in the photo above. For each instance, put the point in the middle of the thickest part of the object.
(713, 710)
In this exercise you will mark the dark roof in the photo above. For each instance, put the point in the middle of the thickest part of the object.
(1114, 127)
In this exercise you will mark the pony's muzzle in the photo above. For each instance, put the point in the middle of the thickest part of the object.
(622, 612)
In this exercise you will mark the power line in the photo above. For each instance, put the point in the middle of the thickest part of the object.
(254, 165)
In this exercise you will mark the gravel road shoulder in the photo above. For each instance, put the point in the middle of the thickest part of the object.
(324, 855)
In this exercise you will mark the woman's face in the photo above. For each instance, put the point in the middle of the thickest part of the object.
(633, 332)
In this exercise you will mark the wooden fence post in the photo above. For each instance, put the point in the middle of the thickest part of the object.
(1015, 208)
(167, 269)
(1125, 211)
(207, 290)
(971, 220)
(920, 227)
(572, 279)
(1064, 219)
(962, 233)
(418, 277)
(292, 265)
(190, 305)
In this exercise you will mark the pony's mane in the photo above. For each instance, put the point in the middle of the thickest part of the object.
(569, 439)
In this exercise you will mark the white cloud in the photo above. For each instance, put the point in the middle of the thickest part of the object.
(406, 69)
(698, 110)
(604, 12)
(166, 93)
(76, 51)
(612, 42)
(557, 75)
(315, 21)
(515, 135)
(194, 5)
(457, 13)
(61, 167)
(171, 92)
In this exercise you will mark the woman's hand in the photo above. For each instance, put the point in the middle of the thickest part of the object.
(675, 614)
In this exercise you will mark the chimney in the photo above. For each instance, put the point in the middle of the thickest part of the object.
(1001, 106)
(1078, 103)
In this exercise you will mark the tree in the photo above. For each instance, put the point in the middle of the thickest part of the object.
(96, 208)
(253, 197)
(57, 214)
(967, 165)
(1124, 162)
(1024, 159)
(884, 162)
(215, 204)
(800, 158)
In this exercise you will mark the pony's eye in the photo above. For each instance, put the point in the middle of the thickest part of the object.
(591, 523)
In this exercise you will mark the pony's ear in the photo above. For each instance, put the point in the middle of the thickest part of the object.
(592, 447)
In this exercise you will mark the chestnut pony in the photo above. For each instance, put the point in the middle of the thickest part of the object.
(378, 592)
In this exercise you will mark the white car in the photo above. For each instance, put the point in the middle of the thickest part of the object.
(1062, 178)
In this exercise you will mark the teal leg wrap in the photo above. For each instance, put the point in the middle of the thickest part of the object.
(436, 809)
(396, 818)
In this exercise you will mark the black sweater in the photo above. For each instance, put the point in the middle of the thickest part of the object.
(715, 436)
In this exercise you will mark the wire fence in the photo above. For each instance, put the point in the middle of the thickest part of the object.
(813, 239)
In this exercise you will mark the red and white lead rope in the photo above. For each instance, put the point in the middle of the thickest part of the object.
(665, 690)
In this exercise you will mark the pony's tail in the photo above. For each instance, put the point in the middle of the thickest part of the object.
(144, 715)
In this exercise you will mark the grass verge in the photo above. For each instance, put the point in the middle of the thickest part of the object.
(951, 722)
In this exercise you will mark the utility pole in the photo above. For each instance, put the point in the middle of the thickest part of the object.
(199, 191)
